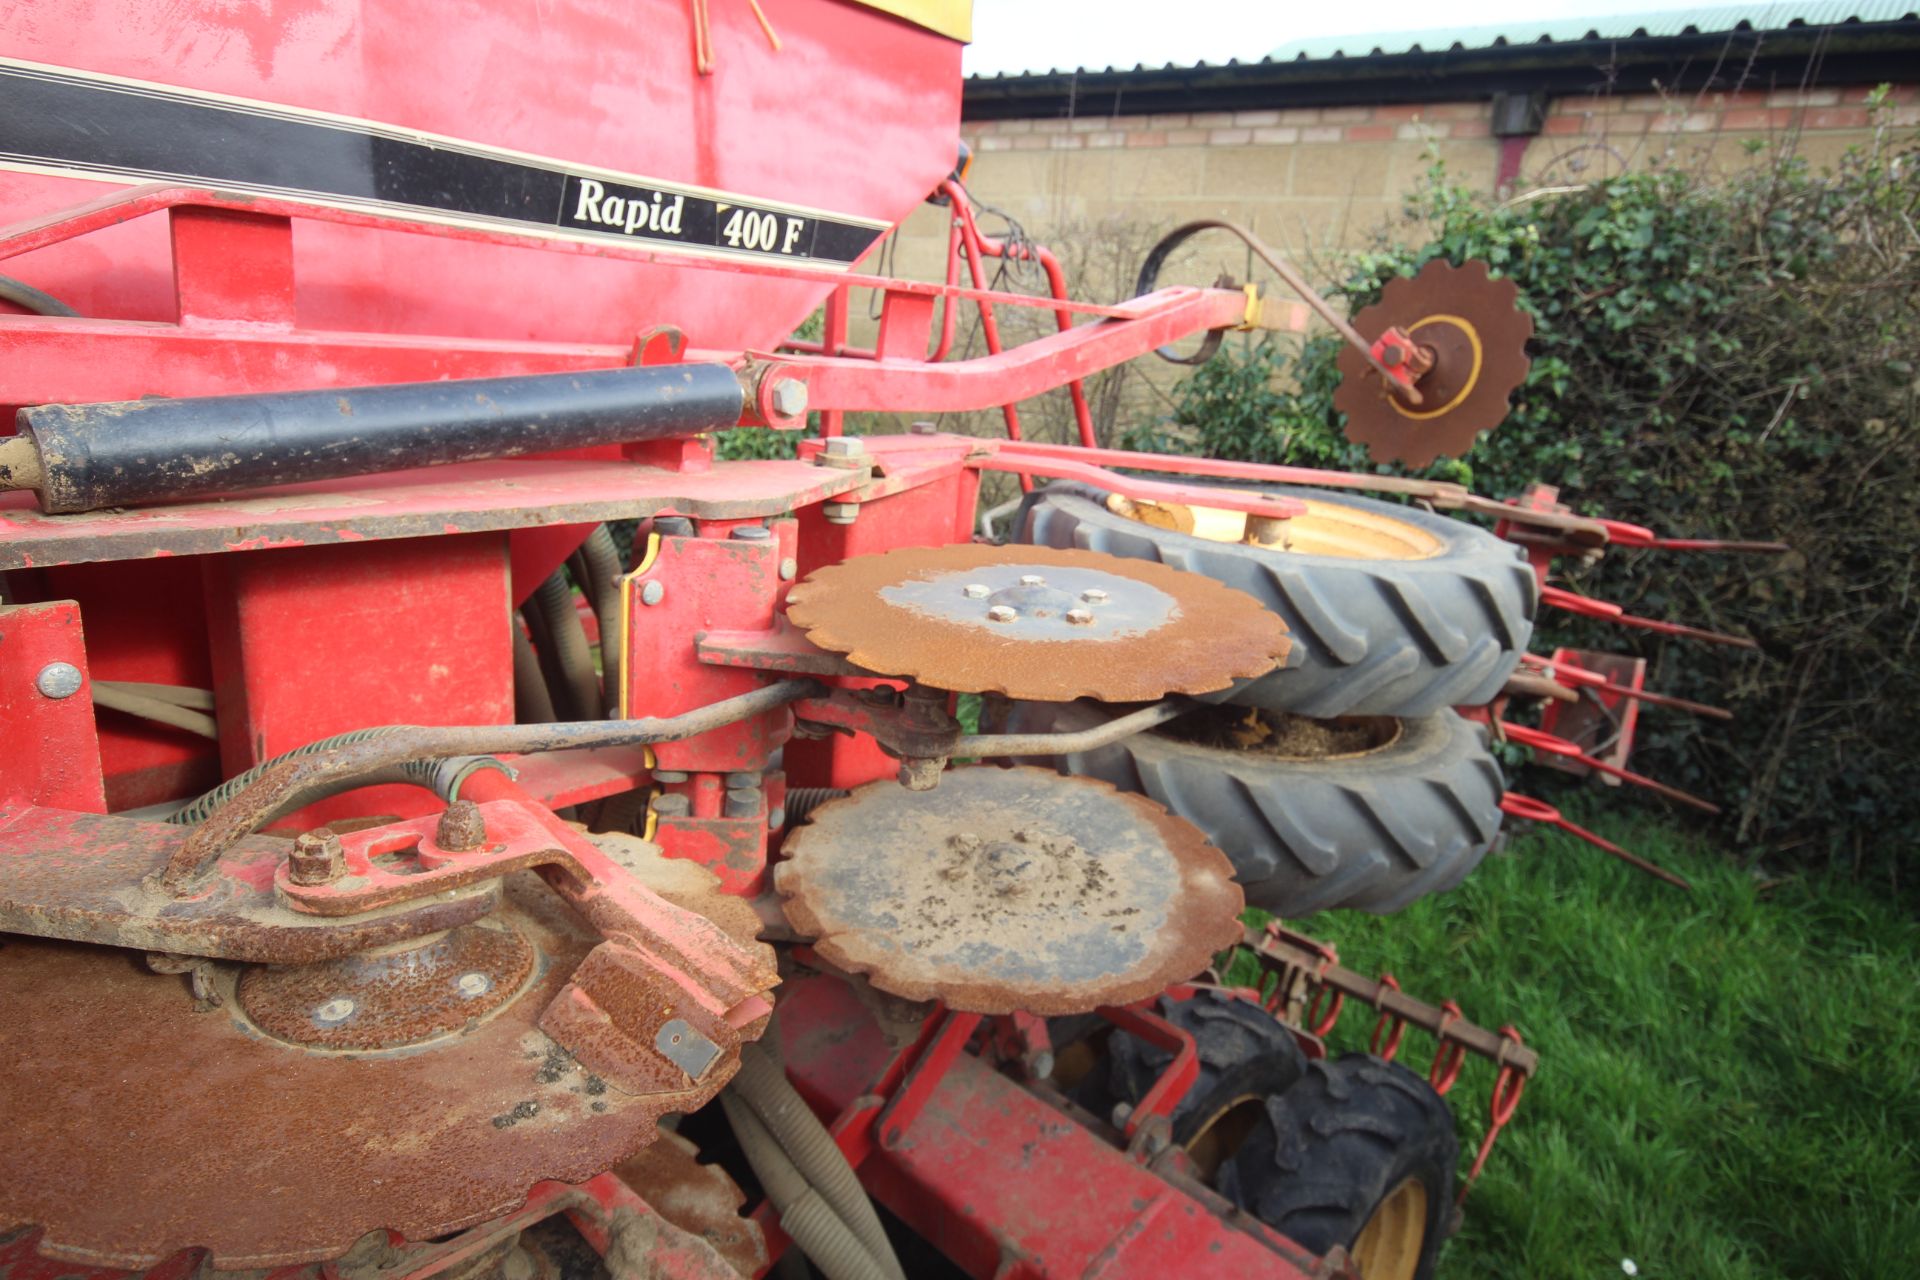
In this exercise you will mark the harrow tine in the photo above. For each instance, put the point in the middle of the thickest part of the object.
(1540, 740)
(1531, 810)
(1567, 673)
(1587, 606)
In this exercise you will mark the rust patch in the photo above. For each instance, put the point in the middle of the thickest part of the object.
(1009, 890)
(697, 1198)
(1149, 630)
(393, 998)
(139, 1128)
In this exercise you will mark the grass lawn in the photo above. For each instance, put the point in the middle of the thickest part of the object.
(1729, 1081)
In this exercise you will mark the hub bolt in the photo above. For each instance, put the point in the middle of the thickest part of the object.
(334, 1011)
(1094, 595)
(317, 858)
(58, 680)
(1079, 617)
(461, 829)
(1001, 613)
(975, 591)
(1032, 580)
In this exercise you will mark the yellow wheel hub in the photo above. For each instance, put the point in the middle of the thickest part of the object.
(1323, 529)
(1390, 1245)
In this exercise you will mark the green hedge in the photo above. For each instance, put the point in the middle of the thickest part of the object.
(1714, 357)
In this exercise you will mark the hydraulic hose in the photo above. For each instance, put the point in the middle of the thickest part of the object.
(579, 686)
(415, 771)
(532, 701)
(353, 760)
(27, 298)
(804, 1212)
(602, 585)
(132, 702)
(805, 1141)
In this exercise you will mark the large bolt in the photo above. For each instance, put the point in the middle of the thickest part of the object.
(669, 775)
(742, 778)
(1094, 595)
(1079, 617)
(672, 805)
(925, 428)
(317, 858)
(752, 533)
(58, 680)
(461, 829)
(789, 398)
(840, 512)
(1001, 613)
(845, 447)
(673, 526)
(652, 593)
(741, 802)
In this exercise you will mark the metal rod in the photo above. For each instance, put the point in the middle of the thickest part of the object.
(289, 782)
(986, 746)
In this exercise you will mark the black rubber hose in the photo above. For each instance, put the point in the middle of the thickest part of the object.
(602, 585)
(532, 700)
(27, 298)
(416, 771)
(579, 687)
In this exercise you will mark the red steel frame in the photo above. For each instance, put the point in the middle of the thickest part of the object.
(279, 618)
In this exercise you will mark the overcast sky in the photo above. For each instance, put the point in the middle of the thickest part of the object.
(1037, 35)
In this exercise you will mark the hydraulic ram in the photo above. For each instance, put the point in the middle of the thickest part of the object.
(85, 456)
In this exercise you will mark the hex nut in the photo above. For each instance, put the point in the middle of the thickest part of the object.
(845, 447)
(789, 397)
(1094, 595)
(975, 591)
(1032, 580)
(840, 512)
(1001, 613)
(462, 829)
(317, 858)
(752, 533)
(58, 680)
(1079, 617)
(672, 805)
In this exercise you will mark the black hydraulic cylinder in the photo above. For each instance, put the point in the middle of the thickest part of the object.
(142, 451)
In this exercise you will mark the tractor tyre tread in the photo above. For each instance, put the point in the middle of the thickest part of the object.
(1243, 1051)
(1369, 637)
(1331, 1148)
(1371, 832)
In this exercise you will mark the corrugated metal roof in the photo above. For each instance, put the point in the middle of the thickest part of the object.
(1697, 19)
(1613, 26)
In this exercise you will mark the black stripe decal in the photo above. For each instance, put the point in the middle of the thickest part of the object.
(64, 120)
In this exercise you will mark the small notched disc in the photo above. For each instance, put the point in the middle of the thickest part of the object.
(1478, 334)
(1007, 890)
(1037, 623)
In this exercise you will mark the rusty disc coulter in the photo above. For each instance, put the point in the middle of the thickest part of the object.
(1476, 334)
(1009, 890)
(1037, 623)
(410, 1088)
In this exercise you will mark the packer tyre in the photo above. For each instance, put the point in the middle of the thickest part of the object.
(1371, 636)
(1245, 1055)
(1372, 831)
(1359, 1153)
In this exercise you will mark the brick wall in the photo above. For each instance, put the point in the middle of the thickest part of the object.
(1316, 179)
